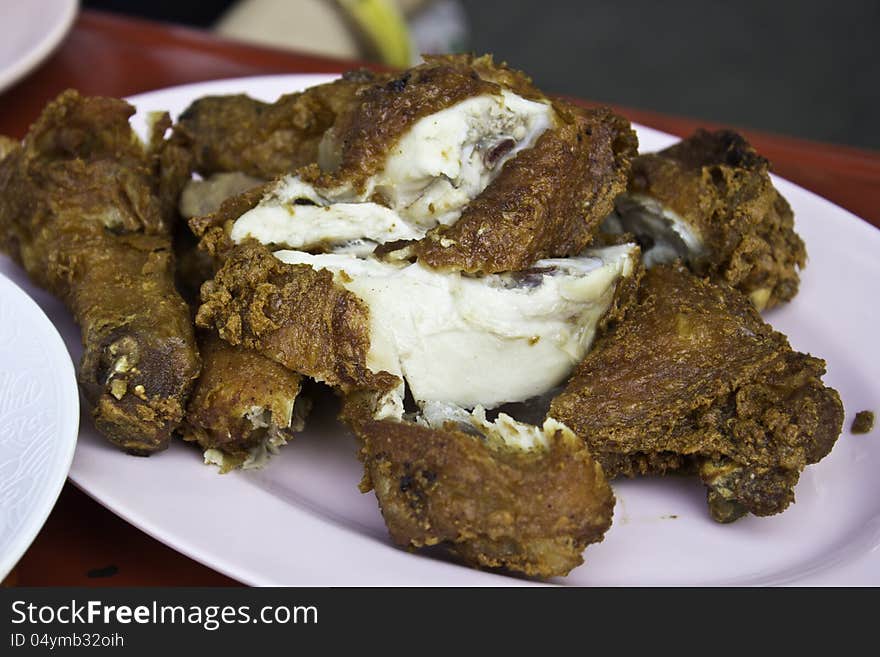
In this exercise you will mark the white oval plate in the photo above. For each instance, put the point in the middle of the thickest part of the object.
(31, 31)
(39, 416)
(302, 521)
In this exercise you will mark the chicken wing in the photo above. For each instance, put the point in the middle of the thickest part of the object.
(295, 315)
(693, 379)
(548, 202)
(244, 406)
(365, 135)
(81, 208)
(450, 163)
(710, 201)
(239, 133)
(498, 495)
(360, 324)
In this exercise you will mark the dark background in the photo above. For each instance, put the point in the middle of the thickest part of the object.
(808, 69)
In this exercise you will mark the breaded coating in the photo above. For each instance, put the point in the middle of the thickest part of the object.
(721, 188)
(547, 202)
(239, 133)
(140, 357)
(693, 379)
(863, 422)
(547, 181)
(81, 210)
(242, 405)
(293, 314)
(492, 504)
(364, 133)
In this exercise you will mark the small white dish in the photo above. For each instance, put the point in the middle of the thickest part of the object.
(31, 32)
(39, 418)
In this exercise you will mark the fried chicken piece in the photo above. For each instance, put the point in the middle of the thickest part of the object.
(293, 314)
(693, 379)
(450, 163)
(498, 495)
(485, 340)
(364, 324)
(548, 202)
(710, 201)
(244, 406)
(239, 133)
(411, 153)
(544, 196)
(81, 210)
(357, 146)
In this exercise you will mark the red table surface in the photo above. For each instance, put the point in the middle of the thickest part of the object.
(84, 544)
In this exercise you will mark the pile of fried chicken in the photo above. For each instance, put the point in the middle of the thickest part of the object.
(443, 248)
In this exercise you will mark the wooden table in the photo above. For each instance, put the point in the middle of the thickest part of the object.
(84, 544)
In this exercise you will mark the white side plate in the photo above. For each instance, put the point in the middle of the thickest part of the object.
(31, 31)
(39, 416)
(302, 521)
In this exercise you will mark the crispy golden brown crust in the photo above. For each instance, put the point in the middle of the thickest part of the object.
(718, 184)
(295, 315)
(239, 133)
(140, 358)
(80, 209)
(546, 202)
(359, 142)
(486, 67)
(863, 422)
(693, 378)
(240, 400)
(87, 145)
(528, 511)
